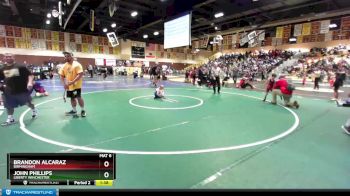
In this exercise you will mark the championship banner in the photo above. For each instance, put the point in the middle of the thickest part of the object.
(10, 42)
(42, 44)
(206, 41)
(34, 33)
(320, 38)
(279, 32)
(336, 35)
(71, 37)
(35, 44)
(306, 29)
(298, 29)
(306, 38)
(2, 31)
(48, 35)
(278, 41)
(325, 26)
(55, 46)
(100, 41)
(196, 44)
(287, 31)
(85, 48)
(79, 49)
(72, 47)
(95, 40)
(49, 45)
(273, 41)
(345, 23)
(243, 39)
(268, 41)
(41, 34)
(2, 42)
(78, 39)
(106, 42)
(315, 28)
(89, 39)
(18, 43)
(105, 50)
(92, 20)
(83, 39)
(90, 48)
(21, 43)
(27, 33)
(61, 46)
(96, 49)
(18, 31)
(234, 38)
(55, 36)
(61, 37)
(9, 31)
(151, 47)
(261, 34)
(300, 39)
(66, 41)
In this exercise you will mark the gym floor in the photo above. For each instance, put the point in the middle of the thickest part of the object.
(195, 139)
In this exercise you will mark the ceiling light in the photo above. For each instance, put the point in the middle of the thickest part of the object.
(145, 36)
(134, 13)
(49, 15)
(55, 13)
(113, 25)
(216, 28)
(105, 30)
(156, 33)
(255, 0)
(218, 15)
(48, 22)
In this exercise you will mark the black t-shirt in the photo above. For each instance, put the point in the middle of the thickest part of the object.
(15, 78)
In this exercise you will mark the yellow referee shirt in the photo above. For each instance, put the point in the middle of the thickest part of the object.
(70, 72)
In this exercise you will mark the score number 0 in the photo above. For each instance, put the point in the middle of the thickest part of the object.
(106, 174)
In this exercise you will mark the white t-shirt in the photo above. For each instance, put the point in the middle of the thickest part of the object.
(216, 71)
(160, 93)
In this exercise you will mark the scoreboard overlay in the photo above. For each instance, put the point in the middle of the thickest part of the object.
(75, 169)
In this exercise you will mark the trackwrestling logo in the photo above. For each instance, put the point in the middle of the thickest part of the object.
(24, 192)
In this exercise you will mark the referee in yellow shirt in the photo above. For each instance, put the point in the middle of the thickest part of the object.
(71, 75)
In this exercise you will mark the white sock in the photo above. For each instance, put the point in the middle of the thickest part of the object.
(10, 117)
(74, 109)
(347, 124)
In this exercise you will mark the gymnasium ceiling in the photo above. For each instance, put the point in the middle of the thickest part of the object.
(153, 13)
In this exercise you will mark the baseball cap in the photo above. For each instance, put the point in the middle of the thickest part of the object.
(65, 52)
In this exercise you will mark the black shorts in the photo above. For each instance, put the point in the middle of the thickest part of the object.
(336, 86)
(13, 101)
(74, 94)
